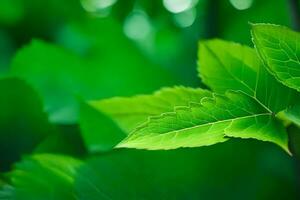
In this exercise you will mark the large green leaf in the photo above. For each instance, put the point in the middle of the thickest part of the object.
(106, 122)
(23, 123)
(44, 176)
(93, 70)
(207, 122)
(278, 48)
(55, 73)
(229, 66)
(130, 112)
(235, 169)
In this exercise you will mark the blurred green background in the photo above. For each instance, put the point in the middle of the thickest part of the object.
(54, 55)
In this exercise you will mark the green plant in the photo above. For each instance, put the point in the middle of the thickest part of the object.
(249, 95)
(254, 94)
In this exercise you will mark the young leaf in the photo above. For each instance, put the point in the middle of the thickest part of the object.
(128, 113)
(44, 176)
(208, 122)
(278, 47)
(105, 123)
(230, 66)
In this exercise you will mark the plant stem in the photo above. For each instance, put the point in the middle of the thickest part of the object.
(295, 13)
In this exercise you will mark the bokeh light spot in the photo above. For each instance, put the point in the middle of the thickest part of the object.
(186, 18)
(177, 6)
(97, 5)
(137, 25)
(241, 4)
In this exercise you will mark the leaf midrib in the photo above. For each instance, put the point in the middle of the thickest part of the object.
(210, 123)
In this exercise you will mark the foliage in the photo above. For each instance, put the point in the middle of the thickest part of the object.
(247, 109)
(70, 130)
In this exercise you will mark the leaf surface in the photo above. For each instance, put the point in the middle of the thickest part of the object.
(209, 121)
(192, 173)
(230, 66)
(278, 47)
(106, 122)
(93, 69)
(131, 112)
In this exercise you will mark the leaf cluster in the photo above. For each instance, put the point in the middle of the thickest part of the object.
(251, 93)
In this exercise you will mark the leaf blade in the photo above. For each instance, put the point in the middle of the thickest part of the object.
(207, 123)
(106, 122)
(131, 112)
(230, 66)
(278, 48)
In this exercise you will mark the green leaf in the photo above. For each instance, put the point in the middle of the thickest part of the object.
(131, 112)
(23, 123)
(230, 66)
(44, 176)
(99, 132)
(190, 173)
(207, 122)
(57, 79)
(106, 122)
(96, 71)
(278, 48)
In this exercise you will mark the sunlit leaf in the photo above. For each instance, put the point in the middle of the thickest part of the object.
(106, 122)
(207, 122)
(278, 48)
(230, 66)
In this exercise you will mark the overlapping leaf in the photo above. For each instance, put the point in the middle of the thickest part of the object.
(131, 112)
(208, 122)
(23, 123)
(229, 66)
(248, 114)
(90, 71)
(105, 123)
(278, 46)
